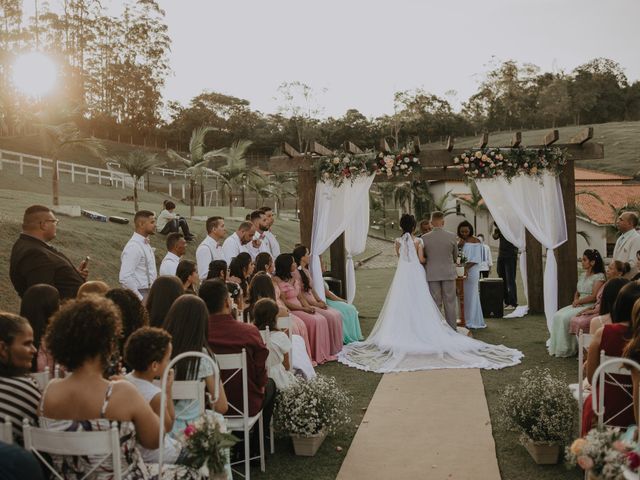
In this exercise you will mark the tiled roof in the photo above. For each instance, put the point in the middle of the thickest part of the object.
(612, 195)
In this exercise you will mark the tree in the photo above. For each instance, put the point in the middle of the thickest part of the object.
(282, 186)
(475, 203)
(299, 103)
(554, 100)
(383, 191)
(137, 164)
(62, 137)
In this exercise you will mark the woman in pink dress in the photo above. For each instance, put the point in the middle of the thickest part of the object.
(294, 300)
(333, 316)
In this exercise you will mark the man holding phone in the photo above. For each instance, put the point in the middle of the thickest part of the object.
(259, 242)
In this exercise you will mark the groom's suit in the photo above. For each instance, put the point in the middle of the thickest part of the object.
(441, 251)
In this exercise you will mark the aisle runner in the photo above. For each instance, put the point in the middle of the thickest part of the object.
(425, 425)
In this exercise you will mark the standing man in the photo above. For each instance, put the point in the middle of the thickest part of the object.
(259, 243)
(425, 226)
(176, 246)
(628, 242)
(237, 242)
(441, 252)
(274, 246)
(507, 260)
(210, 248)
(34, 261)
(487, 259)
(138, 262)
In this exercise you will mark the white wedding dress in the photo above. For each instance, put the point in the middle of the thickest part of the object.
(411, 333)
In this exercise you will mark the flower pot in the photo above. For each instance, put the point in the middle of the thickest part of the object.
(541, 452)
(307, 446)
(460, 271)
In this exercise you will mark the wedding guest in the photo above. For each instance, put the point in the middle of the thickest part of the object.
(265, 315)
(19, 394)
(164, 291)
(138, 262)
(628, 242)
(582, 321)
(187, 272)
(17, 464)
(217, 269)
(487, 258)
(473, 249)
(274, 246)
(636, 277)
(241, 270)
(92, 287)
(350, 321)
(562, 343)
(39, 303)
(613, 339)
(303, 276)
(609, 294)
(264, 263)
(210, 249)
(424, 226)
(171, 222)
(133, 315)
(292, 297)
(507, 261)
(259, 243)
(176, 248)
(33, 260)
(238, 241)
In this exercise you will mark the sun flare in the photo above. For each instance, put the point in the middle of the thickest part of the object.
(34, 73)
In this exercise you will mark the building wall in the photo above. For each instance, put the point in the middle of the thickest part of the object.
(598, 236)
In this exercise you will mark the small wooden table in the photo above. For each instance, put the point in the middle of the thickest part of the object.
(460, 294)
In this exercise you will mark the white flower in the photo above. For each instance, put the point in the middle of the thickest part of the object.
(336, 161)
(456, 160)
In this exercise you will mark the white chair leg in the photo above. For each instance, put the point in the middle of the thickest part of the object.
(261, 431)
(247, 454)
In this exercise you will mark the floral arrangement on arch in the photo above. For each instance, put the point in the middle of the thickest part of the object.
(511, 162)
(605, 453)
(397, 165)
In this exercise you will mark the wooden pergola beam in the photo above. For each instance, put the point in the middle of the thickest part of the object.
(289, 150)
(550, 138)
(352, 148)
(516, 141)
(416, 145)
(319, 149)
(583, 136)
(450, 143)
(484, 141)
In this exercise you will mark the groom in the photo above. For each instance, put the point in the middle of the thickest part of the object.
(441, 252)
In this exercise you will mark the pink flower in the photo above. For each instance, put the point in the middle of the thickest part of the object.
(633, 459)
(619, 446)
(585, 462)
(189, 430)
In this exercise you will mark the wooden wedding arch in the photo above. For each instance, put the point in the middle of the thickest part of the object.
(438, 165)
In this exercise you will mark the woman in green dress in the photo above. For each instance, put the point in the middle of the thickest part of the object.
(563, 343)
(350, 321)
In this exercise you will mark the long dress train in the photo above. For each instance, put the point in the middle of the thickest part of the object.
(411, 333)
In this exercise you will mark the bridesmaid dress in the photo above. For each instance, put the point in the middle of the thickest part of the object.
(350, 321)
(472, 309)
(299, 327)
(316, 324)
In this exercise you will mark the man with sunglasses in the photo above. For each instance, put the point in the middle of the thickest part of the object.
(34, 260)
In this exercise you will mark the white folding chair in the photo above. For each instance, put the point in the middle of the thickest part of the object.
(184, 390)
(287, 323)
(104, 444)
(608, 367)
(584, 340)
(6, 433)
(42, 378)
(241, 421)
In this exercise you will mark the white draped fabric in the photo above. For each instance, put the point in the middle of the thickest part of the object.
(337, 210)
(537, 203)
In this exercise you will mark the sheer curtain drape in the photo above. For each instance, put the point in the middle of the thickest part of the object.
(337, 210)
(537, 203)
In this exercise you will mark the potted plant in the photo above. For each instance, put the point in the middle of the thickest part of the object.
(542, 409)
(309, 411)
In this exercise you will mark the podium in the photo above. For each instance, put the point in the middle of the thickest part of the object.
(492, 297)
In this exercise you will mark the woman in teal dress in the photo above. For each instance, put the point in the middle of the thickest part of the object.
(562, 342)
(350, 321)
(473, 249)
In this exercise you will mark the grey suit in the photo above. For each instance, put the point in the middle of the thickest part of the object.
(441, 251)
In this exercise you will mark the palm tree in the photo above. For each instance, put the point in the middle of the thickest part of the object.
(441, 204)
(475, 203)
(592, 194)
(403, 196)
(61, 137)
(258, 186)
(137, 164)
(196, 163)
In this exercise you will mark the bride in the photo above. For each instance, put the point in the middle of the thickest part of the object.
(411, 333)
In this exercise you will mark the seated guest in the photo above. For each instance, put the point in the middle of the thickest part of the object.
(264, 263)
(176, 247)
(92, 287)
(217, 269)
(17, 464)
(612, 339)
(133, 316)
(241, 270)
(39, 303)
(563, 343)
(82, 336)
(164, 291)
(265, 315)
(350, 322)
(226, 335)
(262, 287)
(187, 272)
(148, 352)
(169, 221)
(582, 321)
(303, 276)
(19, 394)
(609, 294)
(636, 277)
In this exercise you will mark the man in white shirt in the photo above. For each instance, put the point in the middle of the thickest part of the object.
(237, 242)
(628, 243)
(138, 262)
(259, 242)
(176, 246)
(210, 248)
(272, 242)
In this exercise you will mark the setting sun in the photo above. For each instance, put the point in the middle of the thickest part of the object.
(34, 73)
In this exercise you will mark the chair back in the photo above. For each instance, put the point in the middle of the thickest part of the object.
(584, 340)
(193, 390)
(100, 445)
(6, 433)
(237, 363)
(42, 378)
(610, 366)
(287, 322)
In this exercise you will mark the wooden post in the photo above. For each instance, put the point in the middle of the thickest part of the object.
(39, 167)
(170, 190)
(338, 263)
(567, 253)
(306, 201)
(517, 139)
(485, 140)
(535, 292)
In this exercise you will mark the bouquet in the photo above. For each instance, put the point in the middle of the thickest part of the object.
(605, 453)
(462, 258)
(207, 442)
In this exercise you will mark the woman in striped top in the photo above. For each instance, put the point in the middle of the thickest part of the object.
(19, 394)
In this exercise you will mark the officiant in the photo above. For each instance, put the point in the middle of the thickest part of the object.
(507, 260)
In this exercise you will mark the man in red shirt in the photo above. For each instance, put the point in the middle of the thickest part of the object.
(227, 335)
